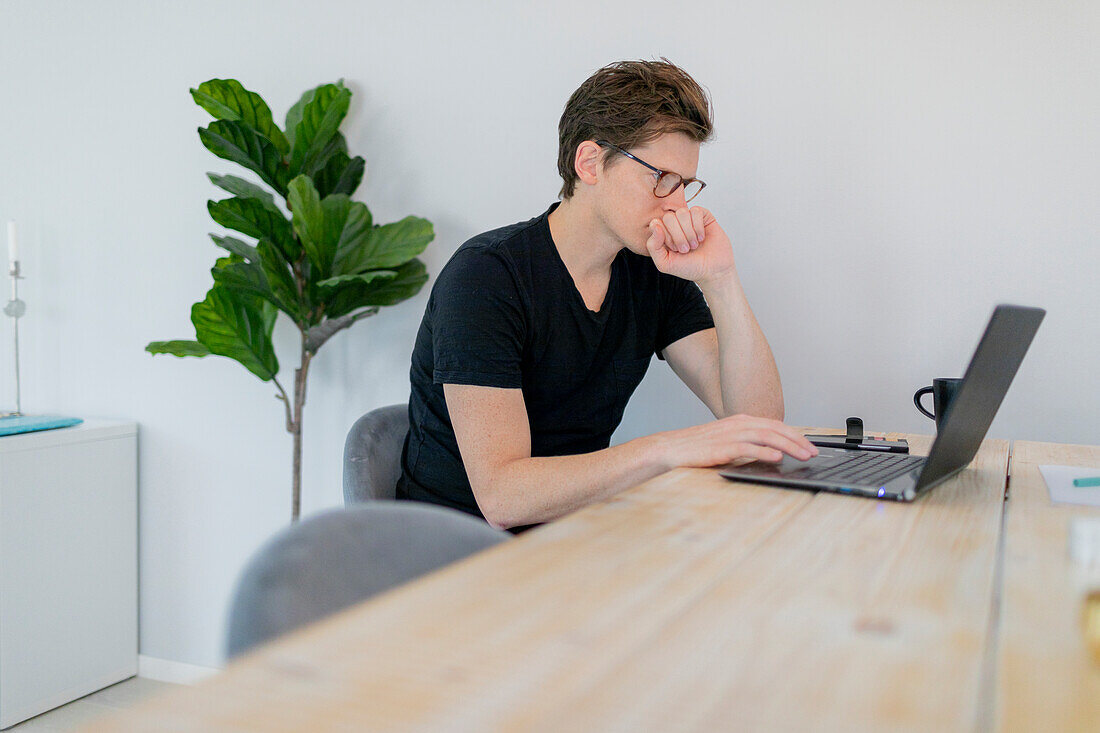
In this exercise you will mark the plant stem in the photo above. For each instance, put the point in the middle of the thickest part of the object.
(300, 376)
(286, 403)
(297, 481)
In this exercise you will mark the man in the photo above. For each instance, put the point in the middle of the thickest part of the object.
(536, 334)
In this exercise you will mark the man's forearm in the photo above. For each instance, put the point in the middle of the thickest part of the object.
(750, 379)
(532, 490)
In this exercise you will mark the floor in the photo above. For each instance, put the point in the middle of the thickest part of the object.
(86, 709)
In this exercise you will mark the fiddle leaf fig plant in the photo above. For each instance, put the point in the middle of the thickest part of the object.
(311, 253)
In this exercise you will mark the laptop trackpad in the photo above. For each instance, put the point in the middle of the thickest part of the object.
(794, 468)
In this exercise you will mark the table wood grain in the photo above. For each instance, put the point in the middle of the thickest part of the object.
(687, 603)
(1046, 679)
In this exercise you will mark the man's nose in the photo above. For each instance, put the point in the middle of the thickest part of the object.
(675, 200)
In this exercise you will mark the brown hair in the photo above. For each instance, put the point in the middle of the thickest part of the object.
(630, 103)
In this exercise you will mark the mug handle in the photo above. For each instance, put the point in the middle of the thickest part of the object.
(916, 401)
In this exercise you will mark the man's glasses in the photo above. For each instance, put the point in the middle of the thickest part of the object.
(667, 181)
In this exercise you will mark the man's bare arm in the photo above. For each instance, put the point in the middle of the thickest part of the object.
(731, 367)
(749, 376)
(734, 359)
(512, 488)
(694, 359)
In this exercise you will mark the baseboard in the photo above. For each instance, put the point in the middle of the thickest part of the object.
(16, 711)
(165, 670)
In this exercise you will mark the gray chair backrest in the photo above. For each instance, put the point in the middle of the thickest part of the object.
(337, 558)
(372, 454)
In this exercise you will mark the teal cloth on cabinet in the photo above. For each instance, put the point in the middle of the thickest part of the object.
(16, 424)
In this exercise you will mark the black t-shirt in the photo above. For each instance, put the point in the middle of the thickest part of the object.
(504, 312)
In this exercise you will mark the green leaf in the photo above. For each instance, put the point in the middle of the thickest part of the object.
(354, 234)
(351, 296)
(320, 119)
(411, 277)
(336, 146)
(346, 224)
(177, 348)
(227, 99)
(280, 280)
(340, 174)
(269, 313)
(363, 277)
(239, 327)
(294, 114)
(308, 219)
(387, 246)
(241, 144)
(235, 246)
(244, 278)
(245, 190)
(249, 216)
(268, 278)
(232, 259)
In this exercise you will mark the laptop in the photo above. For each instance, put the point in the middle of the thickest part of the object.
(902, 477)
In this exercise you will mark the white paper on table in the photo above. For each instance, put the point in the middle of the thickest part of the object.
(1060, 484)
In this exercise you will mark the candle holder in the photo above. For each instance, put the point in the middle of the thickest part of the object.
(15, 310)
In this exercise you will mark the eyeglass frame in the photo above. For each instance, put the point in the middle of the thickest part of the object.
(660, 173)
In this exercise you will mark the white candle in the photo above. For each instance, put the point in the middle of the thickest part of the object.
(13, 243)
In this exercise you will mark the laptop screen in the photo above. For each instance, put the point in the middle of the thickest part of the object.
(992, 368)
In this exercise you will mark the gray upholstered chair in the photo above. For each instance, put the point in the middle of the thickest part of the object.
(372, 454)
(337, 558)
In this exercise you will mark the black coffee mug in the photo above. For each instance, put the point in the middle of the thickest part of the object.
(943, 391)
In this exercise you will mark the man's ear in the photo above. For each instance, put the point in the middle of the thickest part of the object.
(587, 162)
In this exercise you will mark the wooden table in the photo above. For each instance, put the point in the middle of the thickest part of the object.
(1046, 681)
(694, 603)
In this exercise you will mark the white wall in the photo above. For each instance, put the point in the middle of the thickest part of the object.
(888, 172)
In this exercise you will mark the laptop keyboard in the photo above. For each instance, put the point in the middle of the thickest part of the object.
(866, 468)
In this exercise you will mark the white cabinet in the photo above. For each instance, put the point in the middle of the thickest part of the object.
(68, 565)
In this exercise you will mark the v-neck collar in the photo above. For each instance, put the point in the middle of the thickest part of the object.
(600, 315)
